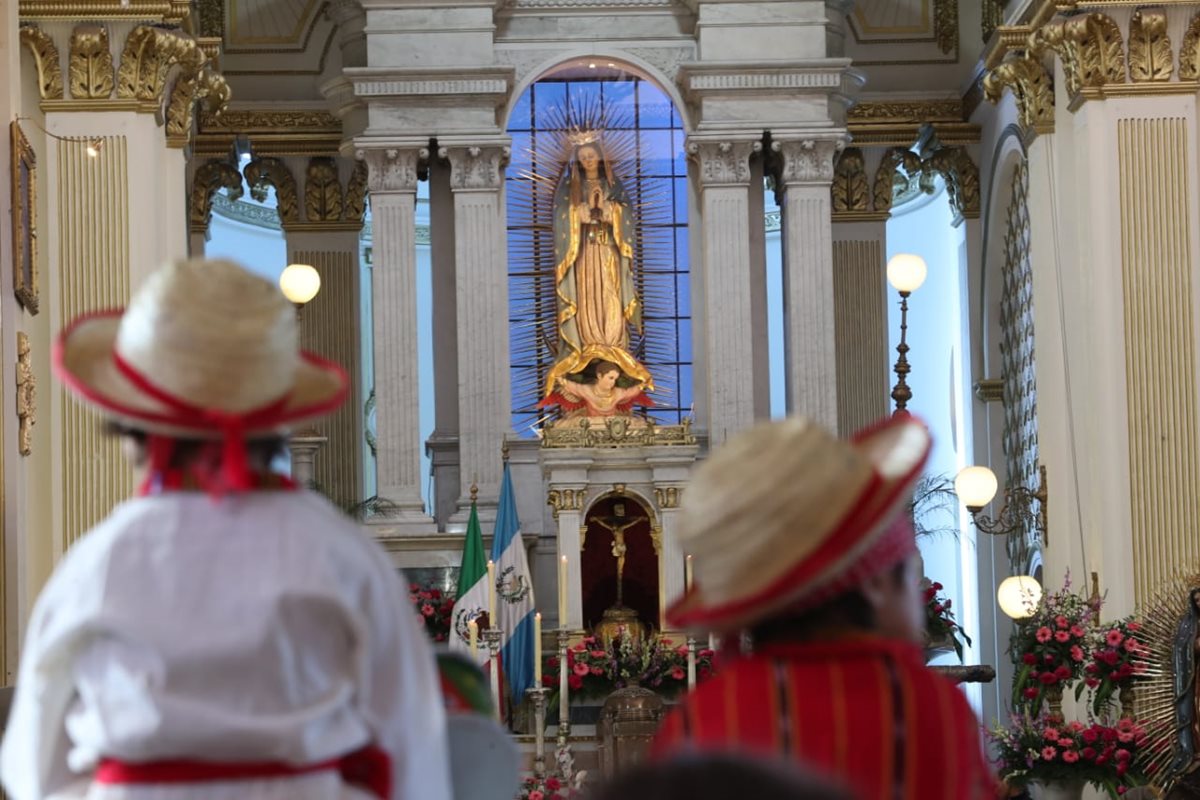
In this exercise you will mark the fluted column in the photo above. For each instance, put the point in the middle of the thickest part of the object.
(392, 182)
(807, 171)
(723, 177)
(484, 399)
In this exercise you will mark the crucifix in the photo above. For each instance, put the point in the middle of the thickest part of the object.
(618, 523)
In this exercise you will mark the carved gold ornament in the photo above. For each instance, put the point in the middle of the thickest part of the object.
(24, 219)
(91, 65)
(1189, 51)
(850, 191)
(26, 396)
(668, 496)
(148, 55)
(205, 85)
(961, 176)
(945, 25)
(208, 179)
(894, 160)
(45, 57)
(1150, 56)
(263, 172)
(322, 191)
(1032, 90)
(1088, 45)
(566, 500)
(356, 193)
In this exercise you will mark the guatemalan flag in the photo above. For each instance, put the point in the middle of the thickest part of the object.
(514, 593)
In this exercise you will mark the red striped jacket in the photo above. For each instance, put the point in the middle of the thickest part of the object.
(865, 711)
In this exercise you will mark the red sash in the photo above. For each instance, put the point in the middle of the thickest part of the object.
(369, 769)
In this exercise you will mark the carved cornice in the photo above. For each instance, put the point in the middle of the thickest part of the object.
(807, 160)
(1031, 87)
(1089, 46)
(209, 178)
(322, 191)
(945, 25)
(1150, 56)
(263, 172)
(206, 85)
(723, 163)
(898, 123)
(1189, 51)
(148, 54)
(608, 5)
(493, 83)
(45, 57)
(392, 169)
(850, 191)
(566, 500)
(164, 11)
(275, 132)
(668, 496)
(475, 167)
(90, 68)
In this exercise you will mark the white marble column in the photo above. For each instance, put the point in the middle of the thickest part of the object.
(392, 183)
(725, 259)
(443, 443)
(484, 399)
(808, 278)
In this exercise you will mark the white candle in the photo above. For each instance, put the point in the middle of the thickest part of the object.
(473, 637)
(562, 593)
(712, 642)
(691, 665)
(687, 572)
(537, 649)
(491, 594)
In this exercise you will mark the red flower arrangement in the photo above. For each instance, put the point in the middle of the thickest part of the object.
(940, 624)
(434, 608)
(1117, 660)
(1047, 749)
(596, 670)
(546, 788)
(1051, 647)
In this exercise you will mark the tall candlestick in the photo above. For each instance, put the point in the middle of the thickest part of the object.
(473, 638)
(563, 670)
(537, 649)
(691, 663)
(687, 572)
(562, 593)
(491, 594)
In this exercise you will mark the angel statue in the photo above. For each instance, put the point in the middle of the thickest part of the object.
(597, 299)
(598, 397)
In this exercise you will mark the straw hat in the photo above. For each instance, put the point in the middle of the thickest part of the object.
(785, 515)
(205, 350)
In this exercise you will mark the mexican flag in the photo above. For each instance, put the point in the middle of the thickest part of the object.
(472, 592)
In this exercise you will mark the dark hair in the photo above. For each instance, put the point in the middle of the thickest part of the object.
(714, 776)
(848, 610)
(600, 367)
(185, 452)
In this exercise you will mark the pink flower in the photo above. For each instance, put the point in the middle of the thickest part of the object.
(1075, 726)
(1051, 734)
(582, 669)
(1077, 631)
(597, 653)
(1076, 653)
(1131, 645)
(597, 671)
(1114, 638)
(1062, 637)
(1061, 622)
(427, 610)
(1048, 753)
(575, 682)
(1123, 754)
(1125, 737)
(1044, 634)
(677, 673)
(536, 795)
(1133, 627)
(553, 785)
(1070, 756)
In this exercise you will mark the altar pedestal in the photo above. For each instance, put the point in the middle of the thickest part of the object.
(628, 720)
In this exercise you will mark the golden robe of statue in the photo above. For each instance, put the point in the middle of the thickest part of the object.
(593, 245)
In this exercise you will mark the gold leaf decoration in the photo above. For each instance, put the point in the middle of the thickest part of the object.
(1150, 56)
(1088, 45)
(148, 55)
(356, 193)
(45, 57)
(91, 64)
(322, 191)
(945, 25)
(26, 396)
(1031, 87)
(271, 172)
(961, 176)
(1189, 51)
(849, 189)
(189, 88)
(894, 160)
(209, 178)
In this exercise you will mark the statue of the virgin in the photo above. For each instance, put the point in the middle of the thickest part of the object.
(593, 248)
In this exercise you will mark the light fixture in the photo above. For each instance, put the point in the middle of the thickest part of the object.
(976, 486)
(300, 284)
(905, 272)
(1019, 596)
(592, 65)
(93, 147)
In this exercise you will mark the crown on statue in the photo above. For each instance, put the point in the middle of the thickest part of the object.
(579, 138)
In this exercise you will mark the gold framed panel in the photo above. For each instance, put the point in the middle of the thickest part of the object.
(24, 220)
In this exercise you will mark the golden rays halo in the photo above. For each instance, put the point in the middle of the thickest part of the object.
(533, 176)
(1154, 694)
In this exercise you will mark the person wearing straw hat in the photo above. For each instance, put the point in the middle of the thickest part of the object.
(218, 636)
(804, 541)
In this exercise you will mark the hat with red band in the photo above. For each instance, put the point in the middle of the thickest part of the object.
(205, 350)
(786, 516)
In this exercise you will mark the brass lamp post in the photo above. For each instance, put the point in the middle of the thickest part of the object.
(905, 272)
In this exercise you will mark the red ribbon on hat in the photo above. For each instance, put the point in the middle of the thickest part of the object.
(235, 472)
